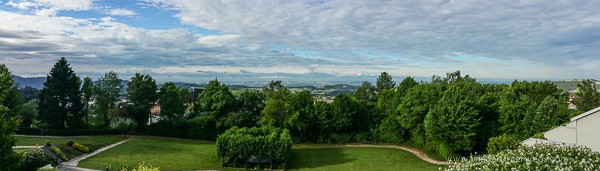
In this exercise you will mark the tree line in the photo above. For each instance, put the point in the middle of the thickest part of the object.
(452, 115)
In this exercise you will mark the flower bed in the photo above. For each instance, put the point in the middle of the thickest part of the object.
(536, 157)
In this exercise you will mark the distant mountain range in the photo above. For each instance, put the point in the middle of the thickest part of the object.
(35, 82)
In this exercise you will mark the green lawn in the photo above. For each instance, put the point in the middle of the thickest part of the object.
(181, 154)
(319, 157)
(166, 153)
(21, 150)
(95, 141)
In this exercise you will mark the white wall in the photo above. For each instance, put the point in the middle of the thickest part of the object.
(588, 131)
(566, 134)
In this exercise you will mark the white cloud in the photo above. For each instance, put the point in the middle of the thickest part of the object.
(499, 39)
(121, 12)
(431, 31)
(51, 7)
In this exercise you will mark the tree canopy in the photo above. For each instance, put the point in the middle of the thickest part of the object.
(141, 92)
(60, 99)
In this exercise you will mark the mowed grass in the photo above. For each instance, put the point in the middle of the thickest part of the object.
(182, 154)
(328, 157)
(95, 141)
(166, 153)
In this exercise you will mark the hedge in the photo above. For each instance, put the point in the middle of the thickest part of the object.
(239, 145)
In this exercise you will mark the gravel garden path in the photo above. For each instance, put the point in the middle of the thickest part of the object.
(420, 154)
(71, 165)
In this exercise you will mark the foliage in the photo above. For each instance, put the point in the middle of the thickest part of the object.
(145, 167)
(8, 158)
(501, 143)
(349, 115)
(588, 96)
(366, 93)
(60, 99)
(276, 108)
(414, 106)
(384, 81)
(238, 145)
(56, 151)
(87, 90)
(251, 104)
(536, 157)
(30, 112)
(14, 102)
(107, 90)
(521, 104)
(6, 82)
(216, 98)
(539, 135)
(171, 102)
(81, 148)
(141, 91)
(452, 123)
(36, 158)
(30, 93)
(124, 125)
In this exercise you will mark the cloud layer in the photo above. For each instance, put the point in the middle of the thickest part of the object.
(312, 38)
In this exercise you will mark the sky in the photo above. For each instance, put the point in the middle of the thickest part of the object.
(311, 40)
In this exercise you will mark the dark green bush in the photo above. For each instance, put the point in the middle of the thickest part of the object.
(36, 158)
(501, 143)
(238, 145)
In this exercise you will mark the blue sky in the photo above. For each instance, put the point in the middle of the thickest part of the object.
(197, 40)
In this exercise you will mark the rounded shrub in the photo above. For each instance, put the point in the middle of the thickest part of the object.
(501, 143)
(81, 148)
(36, 158)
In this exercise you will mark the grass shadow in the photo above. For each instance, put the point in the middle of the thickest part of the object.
(309, 158)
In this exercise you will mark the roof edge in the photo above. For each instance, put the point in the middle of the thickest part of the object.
(585, 114)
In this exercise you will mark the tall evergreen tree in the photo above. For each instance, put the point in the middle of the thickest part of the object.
(385, 81)
(60, 100)
(142, 93)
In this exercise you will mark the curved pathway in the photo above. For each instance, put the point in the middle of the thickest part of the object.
(72, 164)
(420, 154)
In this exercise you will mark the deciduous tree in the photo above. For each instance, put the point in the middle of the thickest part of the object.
(588, 96)
(107, 90)
(171, 102)
(141, 92)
